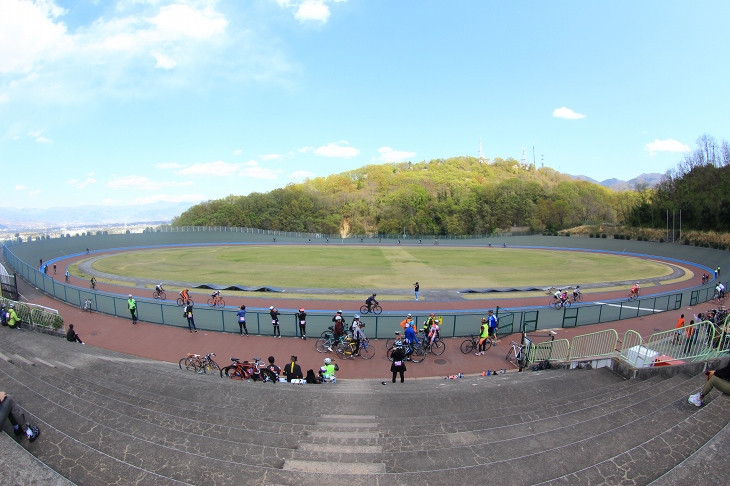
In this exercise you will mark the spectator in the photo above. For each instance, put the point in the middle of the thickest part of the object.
(241, 314)
(274, 313)
(328, 373)
(483, 337)
(339, 329)
(13, 319)
(301, 317)
(3, 315)
(132, 306)
(406, 322)
(273, 370)
(719, 379)
(691, 337)
(416, 287)
(188, 314)
(398, 366)
(71, 335)
(31, 431)
(678, 330)
(293, 371)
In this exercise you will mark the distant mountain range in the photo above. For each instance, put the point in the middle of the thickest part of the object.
(649, 180)
(71, 217)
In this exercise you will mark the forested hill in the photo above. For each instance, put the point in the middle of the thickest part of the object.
(459, 196)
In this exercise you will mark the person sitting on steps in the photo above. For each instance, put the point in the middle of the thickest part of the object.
(719, 379)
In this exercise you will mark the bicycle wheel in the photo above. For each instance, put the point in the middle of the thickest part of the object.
(221, 302)
(418, 355)
(344, 351)
(388, 343)
(191, 364)
(438, 348)
(510, 354)
(467, 346)
(566, 303)
(163, 295)
(377, 309)
(389, 352)
(364, 309)
(181, 363)
(211, 302)
(155, 295)
(179, 301)
(367, 351)
(211, 367)
(323, 345)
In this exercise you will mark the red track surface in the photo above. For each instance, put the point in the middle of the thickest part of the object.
(171, 343)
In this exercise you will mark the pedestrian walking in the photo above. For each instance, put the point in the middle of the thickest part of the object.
(188, 314)
(132, 306)
(416, 288)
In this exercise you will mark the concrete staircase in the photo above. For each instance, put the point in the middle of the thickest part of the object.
(110, 418)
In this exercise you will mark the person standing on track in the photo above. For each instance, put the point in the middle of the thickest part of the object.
(188, 314)
(398, 366)
(241, 314)
(132, 306)
(301, 318)
(483, 337)
(492, 321)
(416, 288)
(274, 313)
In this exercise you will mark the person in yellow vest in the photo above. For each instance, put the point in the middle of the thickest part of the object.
(483, 337)
(13, 319)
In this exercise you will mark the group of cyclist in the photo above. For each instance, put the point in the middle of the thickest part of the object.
(408, 337)
(561, 295)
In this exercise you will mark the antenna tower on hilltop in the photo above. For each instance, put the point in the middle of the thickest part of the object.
(482, 160)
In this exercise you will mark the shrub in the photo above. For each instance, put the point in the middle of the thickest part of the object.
(603, 235)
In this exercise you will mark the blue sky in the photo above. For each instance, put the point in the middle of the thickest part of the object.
(138, 101)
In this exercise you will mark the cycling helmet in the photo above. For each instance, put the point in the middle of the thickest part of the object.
(398, 344)
(130, 296)
(374, 295)
(357, 316)
(431, 314)
(301, 309)
(327, 361)
(436, 321)
(271, 307)
(12, 306)
(338, 318)
(409, 315)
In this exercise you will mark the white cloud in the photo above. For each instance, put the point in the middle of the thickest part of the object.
(387, 155)
(19, 187)
(179, 21)
(309, 10)
(300, 175)
(43, 140)
(668, 145)
(168, 165)
(238, 152)
(80, 184)
(142, 183)
(254, 171)
(217, 169)
(567, 113)
(163, 62)
(267, 157)
(337, 149)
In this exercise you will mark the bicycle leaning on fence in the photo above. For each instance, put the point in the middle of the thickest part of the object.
(516, 354)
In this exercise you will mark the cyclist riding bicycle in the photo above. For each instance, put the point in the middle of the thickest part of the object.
(720, 289)
(216, 294)
(158, 288)
(563, 296)
(93, 282)
(635, 289)
(185, 295)
(576, 292)
(556, 295)
(370, 301)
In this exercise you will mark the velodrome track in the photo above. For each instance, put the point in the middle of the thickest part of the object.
(170, 343)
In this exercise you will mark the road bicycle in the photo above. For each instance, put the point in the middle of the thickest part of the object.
(633, 295)
(87, 305)
(437, 348)
(346, 349)
(414, 352)
(559, 303)
(159, 294)
(374, 309)
(577, 297)
(719, 299)
(199, 364)
(472, 344)
(327, 343)
(181, 302)
(245, 370)
(218, 300)
(516, 354)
